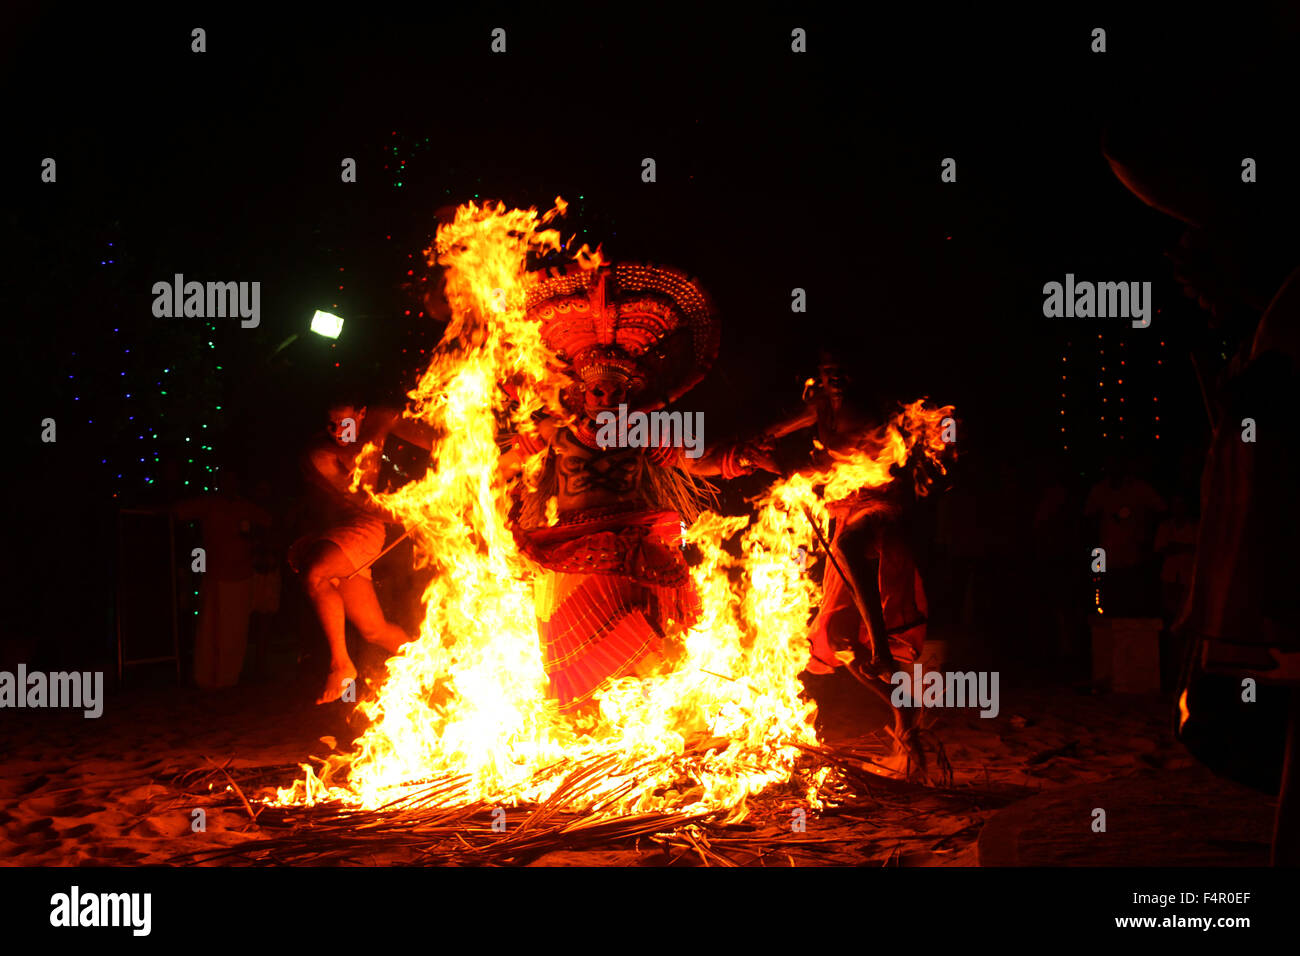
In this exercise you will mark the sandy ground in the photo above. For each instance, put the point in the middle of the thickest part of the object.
(104, 792)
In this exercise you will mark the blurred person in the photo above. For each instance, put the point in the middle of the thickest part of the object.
(227, 521)
(1237, 259)
(1058, 541)
(1125, 508)
(1176, 544)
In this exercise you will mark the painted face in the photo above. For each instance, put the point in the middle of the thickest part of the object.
(344, 425)
(605, 394)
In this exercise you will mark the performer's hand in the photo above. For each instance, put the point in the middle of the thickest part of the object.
(760, 454)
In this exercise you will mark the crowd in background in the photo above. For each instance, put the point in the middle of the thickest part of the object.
(1022, 556)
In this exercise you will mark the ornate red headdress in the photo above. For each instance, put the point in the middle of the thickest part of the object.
(653, 325)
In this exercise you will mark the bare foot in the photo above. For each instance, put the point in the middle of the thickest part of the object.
(337, 682)
(906, 761)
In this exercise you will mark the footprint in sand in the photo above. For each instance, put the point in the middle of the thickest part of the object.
(167, 826)
(31, 786)
(32, 833)
(64, 805)
(75, 809)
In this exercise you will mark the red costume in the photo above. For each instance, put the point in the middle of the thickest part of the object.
(615, 580)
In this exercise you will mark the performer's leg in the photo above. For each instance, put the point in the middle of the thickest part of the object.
(863, 547)
(323, 564)
(859, 557)
(363, 610)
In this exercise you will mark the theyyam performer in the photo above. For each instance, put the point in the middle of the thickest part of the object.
(604, 521)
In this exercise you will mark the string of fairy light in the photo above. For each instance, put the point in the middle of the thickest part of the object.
(161, 405)
(1118, 418)
(143, 429)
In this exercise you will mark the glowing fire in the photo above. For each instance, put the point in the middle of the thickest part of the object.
(467, 703)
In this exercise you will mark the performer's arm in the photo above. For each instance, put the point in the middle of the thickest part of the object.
(321, 470)
(733, 460)
(742, 458)
(413, 431)
(806, 417)
(524, 445)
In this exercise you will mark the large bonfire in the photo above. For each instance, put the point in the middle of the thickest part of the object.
(467, 699)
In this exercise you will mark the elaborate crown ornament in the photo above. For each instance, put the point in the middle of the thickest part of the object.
(652, 325)
(602, 362)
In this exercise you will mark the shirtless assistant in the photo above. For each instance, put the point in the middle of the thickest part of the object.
(352, 537)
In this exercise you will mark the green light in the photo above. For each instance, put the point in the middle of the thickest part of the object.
(326, 324)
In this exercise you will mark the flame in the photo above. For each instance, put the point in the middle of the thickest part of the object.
(466, 702)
